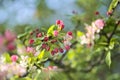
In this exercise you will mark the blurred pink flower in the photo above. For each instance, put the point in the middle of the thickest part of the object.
(10, 36)
(2, 39)
(14, 58)
(11, 46)
(99, 23)
(30, 50)
(55, 33)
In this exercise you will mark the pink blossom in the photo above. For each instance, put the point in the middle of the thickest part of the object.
(55, 33)
(99, 23)
(67, 47)
(2, 39)
(11, 46)
(10, 36)
(14, 58)
(30, 50)
(58, 22)
(31, 41)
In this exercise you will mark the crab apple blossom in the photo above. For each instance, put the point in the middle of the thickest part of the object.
(30, 50)
(31, 41)
(14, 58)
(100, 23)
(55, 33)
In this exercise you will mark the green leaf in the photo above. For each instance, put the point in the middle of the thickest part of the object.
(41, 55)
(108, 59)
(79, 33)
(7, 57)
(113, 4)
(50, 30)
(22, 35)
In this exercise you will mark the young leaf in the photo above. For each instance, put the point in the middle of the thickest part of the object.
(21, 35)
(79, 34)
(50, 30)
(40, 56)
(7, 57)
(113, 5)
(108, 59)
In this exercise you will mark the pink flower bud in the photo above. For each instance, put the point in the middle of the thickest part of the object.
(61, 50)
(58, 22)
(99, 23)
(97, 13)
(55, 33)
(44, 46)
(52, 52)
(46, 39)
(10, 36)
(39, 35)
(67, 47)
(31, 41)
(47, 48)
(61, 27)
(56, 50)
(53, 41)
(69, 33)
(30, 50)
(10, 46)
(14, 58)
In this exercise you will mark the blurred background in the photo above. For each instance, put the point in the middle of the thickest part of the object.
(18, 14)
(36, 13)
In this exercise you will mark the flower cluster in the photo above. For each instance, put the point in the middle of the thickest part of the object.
(92, 29)
(7, 41)
(50, 41)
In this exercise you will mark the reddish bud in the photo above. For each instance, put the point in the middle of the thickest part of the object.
(52, 52)
(39, 35)
(61, 26)
(31, 33)
(53, 41)
(58, 22)
(10, 46)
(56, 50)
(109, 13)
(14, 58)
(67, 47)
(69, 33)
(61, 50)
(44, 46)
(31, 41)
(46, 39)
(55, 33)
(47, 48)
(96, 13)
